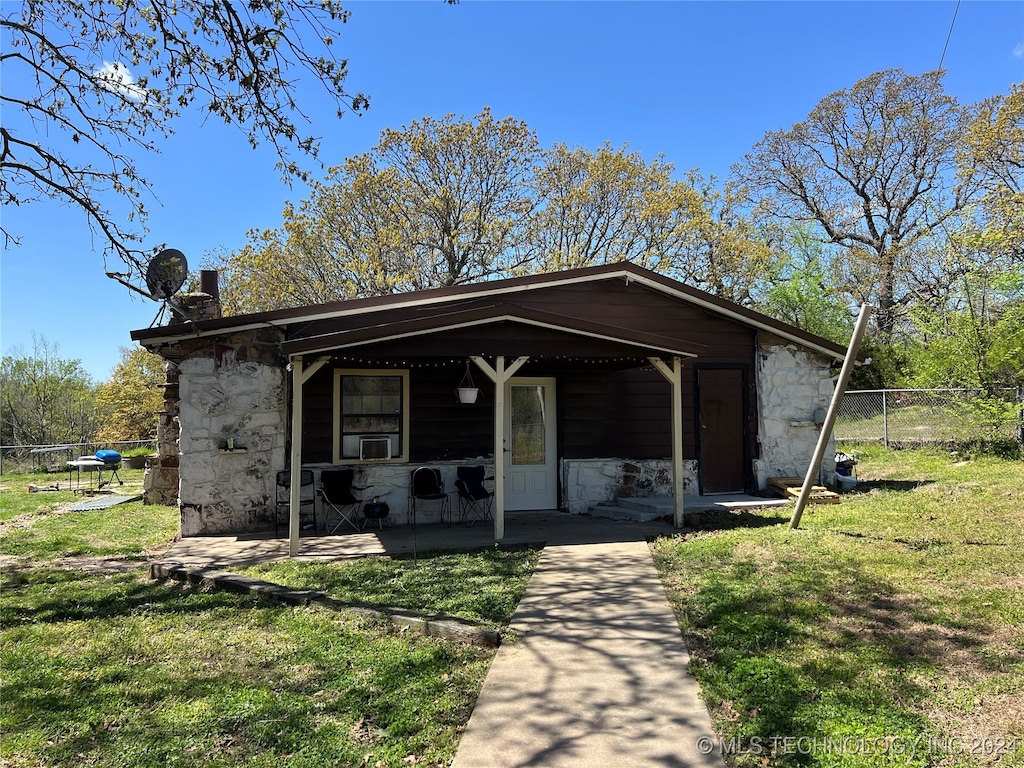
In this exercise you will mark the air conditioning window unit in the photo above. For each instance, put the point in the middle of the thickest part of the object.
(371, 448)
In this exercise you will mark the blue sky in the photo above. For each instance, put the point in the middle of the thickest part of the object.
(697, 82)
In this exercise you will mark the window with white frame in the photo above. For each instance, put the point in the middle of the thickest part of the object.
(371, 415)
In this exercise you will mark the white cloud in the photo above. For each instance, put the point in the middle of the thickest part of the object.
(118, 78)
(1018, 51)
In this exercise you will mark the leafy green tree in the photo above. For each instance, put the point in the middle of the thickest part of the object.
(45, 399)
(593, 207)
(801, 290)
(718, 246)
(612, 205)
(992, 155)
(979, 341)
(872, 168)
(131, 400)
(437, 203)
(239, 62)
(445, 202)
(462, 191)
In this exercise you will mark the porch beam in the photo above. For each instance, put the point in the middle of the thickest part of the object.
(500, 375)
(300, 376)
(492, 374)
(674, 375)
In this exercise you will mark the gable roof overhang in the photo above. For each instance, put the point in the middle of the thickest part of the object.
(638, 342)
(496, 289)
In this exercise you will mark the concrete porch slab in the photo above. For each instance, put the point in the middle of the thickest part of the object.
(648, 509)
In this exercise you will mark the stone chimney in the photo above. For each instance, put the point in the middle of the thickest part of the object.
(203, 304)
(160, 482)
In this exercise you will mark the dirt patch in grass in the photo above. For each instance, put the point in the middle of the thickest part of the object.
(990, 726)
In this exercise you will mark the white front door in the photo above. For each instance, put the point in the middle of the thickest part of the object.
(531, 462)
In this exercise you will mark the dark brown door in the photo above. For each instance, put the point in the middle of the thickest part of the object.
(721, 430)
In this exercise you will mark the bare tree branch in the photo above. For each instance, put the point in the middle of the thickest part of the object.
(88, 84)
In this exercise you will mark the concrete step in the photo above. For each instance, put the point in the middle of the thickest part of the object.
(634, 514)
(662, 505)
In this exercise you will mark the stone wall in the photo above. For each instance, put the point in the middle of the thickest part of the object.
(160, 480)
(234, 428)
(792, 383)
(586, 482)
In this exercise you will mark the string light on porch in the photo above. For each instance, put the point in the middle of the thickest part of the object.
(378, 363)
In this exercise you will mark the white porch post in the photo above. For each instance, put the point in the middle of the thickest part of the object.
(675, 378)
(299, 377)
(499, 375)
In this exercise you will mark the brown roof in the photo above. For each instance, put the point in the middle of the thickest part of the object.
(500, 290)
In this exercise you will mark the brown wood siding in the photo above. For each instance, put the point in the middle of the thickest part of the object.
(441, 428)
(602, 413)
(318, 417)
(610, 302)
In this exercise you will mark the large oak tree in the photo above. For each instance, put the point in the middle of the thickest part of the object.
(873, 167)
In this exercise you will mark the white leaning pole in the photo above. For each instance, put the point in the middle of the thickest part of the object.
(830, 417)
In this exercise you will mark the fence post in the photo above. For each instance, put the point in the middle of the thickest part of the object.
(885, 419)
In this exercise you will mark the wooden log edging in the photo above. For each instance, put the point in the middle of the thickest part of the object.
(431, 625)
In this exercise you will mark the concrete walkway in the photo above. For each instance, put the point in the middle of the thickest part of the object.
(599, 673)
(598, 676)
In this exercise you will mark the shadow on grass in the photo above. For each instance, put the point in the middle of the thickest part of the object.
(281, 683)
(52, 596)
(722, 520)
(478, 585)
(783, 646)
(899, 486)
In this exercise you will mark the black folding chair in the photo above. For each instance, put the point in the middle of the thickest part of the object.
(474, 499)
(426, 485)
(336, 486)
(284, 483)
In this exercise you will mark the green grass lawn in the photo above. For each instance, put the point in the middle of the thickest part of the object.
(112, 669)
(896, 615)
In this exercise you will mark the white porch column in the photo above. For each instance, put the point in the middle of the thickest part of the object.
(299, 377)
(500, 376)
(674, 375)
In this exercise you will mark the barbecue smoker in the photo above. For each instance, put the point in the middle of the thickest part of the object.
(112, 463)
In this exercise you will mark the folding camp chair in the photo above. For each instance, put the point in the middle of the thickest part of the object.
(474, 500)
(336, 492)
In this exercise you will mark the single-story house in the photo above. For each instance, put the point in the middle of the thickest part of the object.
(592, 383)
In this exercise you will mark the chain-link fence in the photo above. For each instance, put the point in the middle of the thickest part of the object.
(931, 416)
(18, 459)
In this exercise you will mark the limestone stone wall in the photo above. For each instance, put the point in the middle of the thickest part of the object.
(791, 383)
(233, 417)
(160, 480)
(586, 482)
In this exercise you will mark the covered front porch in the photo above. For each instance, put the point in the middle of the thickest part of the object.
(505, 347)
(535, 529)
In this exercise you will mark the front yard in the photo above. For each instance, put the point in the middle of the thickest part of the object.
(888, 630)
(102, 666)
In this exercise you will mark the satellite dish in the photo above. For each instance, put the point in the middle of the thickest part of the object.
(166, 273)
